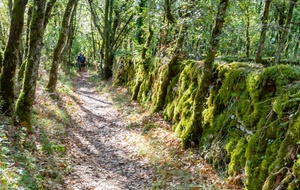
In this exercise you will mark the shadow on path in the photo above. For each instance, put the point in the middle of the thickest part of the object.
(101, 157)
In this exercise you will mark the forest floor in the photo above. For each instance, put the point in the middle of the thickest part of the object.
(89, 135)
(116, 144)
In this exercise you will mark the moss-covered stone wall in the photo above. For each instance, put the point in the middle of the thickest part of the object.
(251, 122)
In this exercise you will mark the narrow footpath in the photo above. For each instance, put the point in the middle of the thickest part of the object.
(111, 148)
(102, 159)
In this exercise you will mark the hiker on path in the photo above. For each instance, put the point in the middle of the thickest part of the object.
(81, 61)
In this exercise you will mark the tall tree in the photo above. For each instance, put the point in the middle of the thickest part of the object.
(10, 59)
(23, 109)
(283, 37)
(49, 8)
(264, 20)
(66, 52)
(51, 86)
(207, 73)
(115, 26)
(108, 56)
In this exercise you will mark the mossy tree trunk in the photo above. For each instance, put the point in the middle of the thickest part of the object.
(264, 20)
(48, 12)
(168, 12)
(248, 42)
(280, 7)
(160, 96)
(67, 51)
(147, 45)
(11, 58)
(206, 77)
(283, 37)
(296, 49)
(93, 39)
(10, 7)
(141, 68)
(50, 5)
(22, 114)
(108, 54)
(140, 33)
(22, 67)
(29, 15)
(51, 86)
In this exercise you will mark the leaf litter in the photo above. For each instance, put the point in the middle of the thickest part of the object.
(114, 143)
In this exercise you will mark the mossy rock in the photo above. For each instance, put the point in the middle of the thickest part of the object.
(251, 121)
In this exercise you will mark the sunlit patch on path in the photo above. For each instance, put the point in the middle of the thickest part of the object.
(101, 157)
(115, 144)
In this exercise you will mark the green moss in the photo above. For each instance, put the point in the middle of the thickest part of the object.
(183, 104)
(236, 151)
(160, 87)
(296, 166)
(171, 98)
(250, 122)
(232, 85)
(144, 94)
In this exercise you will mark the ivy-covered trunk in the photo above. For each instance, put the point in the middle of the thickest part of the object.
(264, 20)
(205, 82)
(51, 86)
(10, 59)
(22, 114)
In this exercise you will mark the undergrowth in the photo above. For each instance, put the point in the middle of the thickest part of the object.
(37, 161)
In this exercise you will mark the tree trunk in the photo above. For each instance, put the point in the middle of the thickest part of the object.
(248, 43)
(22, 68)
(93, 39)
(108, 58)
(22, 114)
(206, 77)
(168, 12)
(10, 59)
(296, 50)
(259, 52)
(140, 33)
(147, 45)
(60, 44)
(66, 52)
(159, 98)
(284, 35)
(49, 8)
(10, 7)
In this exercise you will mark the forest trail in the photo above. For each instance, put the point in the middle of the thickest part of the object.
(109, 151)
(102, 158)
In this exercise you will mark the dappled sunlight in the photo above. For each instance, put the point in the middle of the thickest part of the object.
(101, 157)
(173, 166)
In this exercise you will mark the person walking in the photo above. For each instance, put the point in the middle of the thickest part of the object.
(81, 61)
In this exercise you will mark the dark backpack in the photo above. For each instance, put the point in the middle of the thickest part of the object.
(81, 59)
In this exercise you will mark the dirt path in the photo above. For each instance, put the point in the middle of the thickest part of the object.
(102, 159)
(125, 148)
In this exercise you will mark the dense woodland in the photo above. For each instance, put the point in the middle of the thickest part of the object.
(224, 73)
